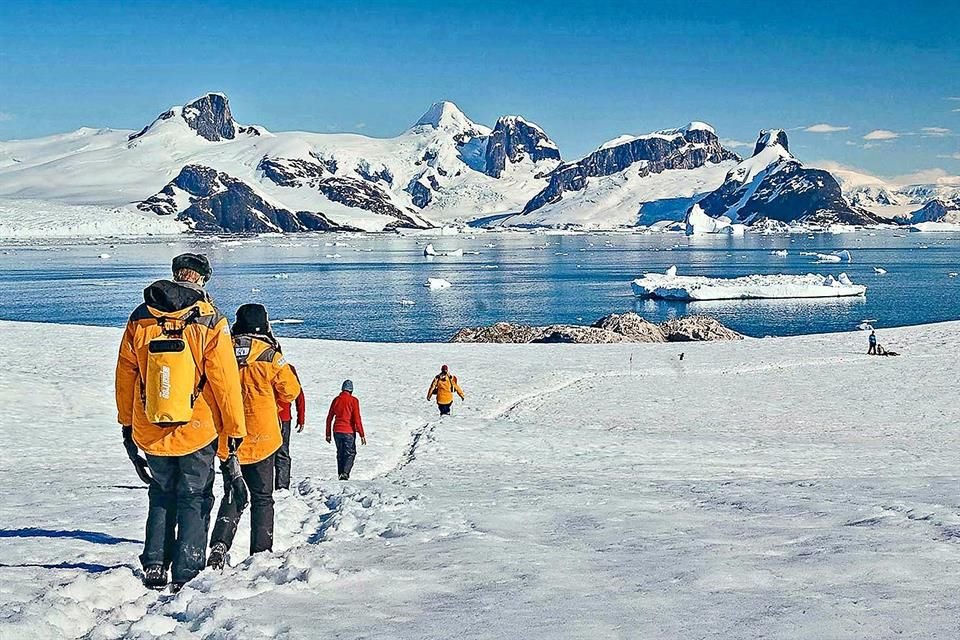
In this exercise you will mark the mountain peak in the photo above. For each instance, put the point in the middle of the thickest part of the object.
(771, 137)
(445, 115)
(209, 115)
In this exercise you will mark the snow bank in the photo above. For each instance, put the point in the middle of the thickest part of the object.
(670, 286)
(28, 219)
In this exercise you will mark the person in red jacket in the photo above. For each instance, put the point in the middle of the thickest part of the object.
(282, 457)
(344, 417)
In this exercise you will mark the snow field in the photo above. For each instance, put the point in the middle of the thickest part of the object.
(780, 488)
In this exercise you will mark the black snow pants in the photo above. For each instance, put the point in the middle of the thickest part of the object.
(444, 408)
(178, 517)
(259, 479)
(282, 458)
(346, 452)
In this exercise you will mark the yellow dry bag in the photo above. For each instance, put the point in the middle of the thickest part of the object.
(169, 389)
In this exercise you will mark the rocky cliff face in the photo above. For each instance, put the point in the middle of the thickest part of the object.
(615, 328)
(937, 210)
(345, 190)
(222, 204)
(513, 140)
(690, 147)
(774, 185)
(210, 117)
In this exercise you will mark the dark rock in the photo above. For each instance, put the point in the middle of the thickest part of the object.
(687, 148)
(785, 191)
(514, 139)
(615, 328)
(936, 210)
(421, 189)
(210, 117)
(375, 175)
(220, 203)
(291, 172)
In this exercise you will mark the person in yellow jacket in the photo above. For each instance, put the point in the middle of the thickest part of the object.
(267, 380)
(179, 455)
(444, 385)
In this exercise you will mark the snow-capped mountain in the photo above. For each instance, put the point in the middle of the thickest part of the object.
(937, 210)
(197, 164)
(772, 185)
(632, 179)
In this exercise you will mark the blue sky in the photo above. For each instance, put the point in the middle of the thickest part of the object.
(585, 71)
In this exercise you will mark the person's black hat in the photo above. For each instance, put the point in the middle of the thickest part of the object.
(194, 262)
(252, 318)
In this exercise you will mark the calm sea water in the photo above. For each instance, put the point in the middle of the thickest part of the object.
(366, 292)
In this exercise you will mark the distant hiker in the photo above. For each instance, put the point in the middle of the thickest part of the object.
(177, 389)
(282, 461)
(345, 421)
(266, 379)
(681, 356)
(872, 341)
(443, 386)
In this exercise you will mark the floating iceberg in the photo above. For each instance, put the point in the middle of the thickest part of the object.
(782, 253)
(429, 251)
(839, 256)
(287, 321)
(437, 283)
(688, 288)
(879, 271)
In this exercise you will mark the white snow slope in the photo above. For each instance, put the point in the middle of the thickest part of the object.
(778, 488)
(100, 167)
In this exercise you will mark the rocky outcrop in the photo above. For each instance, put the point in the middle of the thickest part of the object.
(421, 189)
(774, 185)
(210, 117)
(345, 190)
(514, 140)
(690, 147)
(219, 203)
(615, 328)
(697, 329)
(937, 210)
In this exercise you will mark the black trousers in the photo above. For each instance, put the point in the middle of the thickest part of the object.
(444, 408)
(178, 517)
(282, 458)
(259, 479)
(346, 452)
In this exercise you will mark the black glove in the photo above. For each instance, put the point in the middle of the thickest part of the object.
(139, 462)
(234, 488)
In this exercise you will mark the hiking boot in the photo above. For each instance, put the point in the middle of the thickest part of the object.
(218, 556)
(154, 577)
(344, 476)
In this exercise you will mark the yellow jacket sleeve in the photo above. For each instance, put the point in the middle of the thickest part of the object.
(223, 381)
(456, 387)
(286, 386)
(433, 389)
(127, 380)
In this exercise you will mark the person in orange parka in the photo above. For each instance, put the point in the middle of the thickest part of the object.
(444, 385)
(266, 379)
(179, 459)
(344, 418)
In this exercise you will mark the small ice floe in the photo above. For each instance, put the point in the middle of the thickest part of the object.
(865, 326)
(406, 302)
(880, 271)
(281, 276)
(334, 255)
(232, 243)
(430, 251)
(104, 256)
(437, 284)
(254, 290)
(490, 266)
(287, 321)
(782, 253)
(952, 274)
(489, 245)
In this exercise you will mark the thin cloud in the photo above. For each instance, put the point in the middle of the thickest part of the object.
(6, 117)
(823, 127)
(952, 156)
(881, 134)
(954, 98)
(360, 125)
(956, 110)
(935, 132)
(928, 176)
(735, 144)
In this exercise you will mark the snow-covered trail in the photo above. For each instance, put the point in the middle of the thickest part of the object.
(783, 488)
